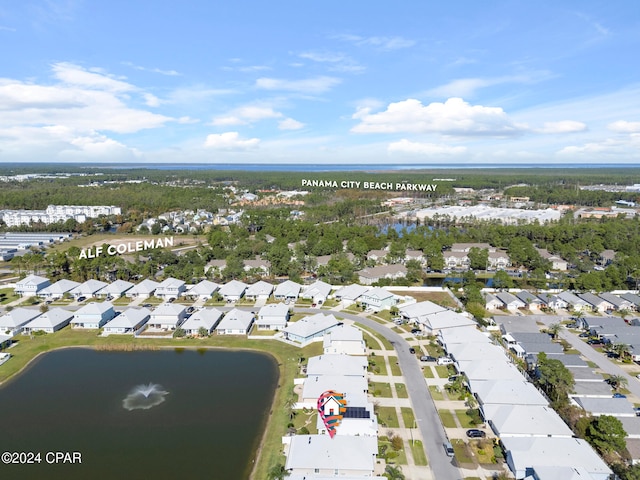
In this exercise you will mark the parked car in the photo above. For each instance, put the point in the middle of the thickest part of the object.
(444, 361)
(416, 330)
(475, 433)
(594, 341)
(427, 358)
(81, 299)
(584, 335)
(412, 350)
(619, 395)
(448, 448)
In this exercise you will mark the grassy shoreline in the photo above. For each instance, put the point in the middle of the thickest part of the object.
(268, 449)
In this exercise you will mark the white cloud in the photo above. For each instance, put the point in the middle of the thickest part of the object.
(151, 100)
(290, 124)
(186, 120)
(625, 146)
(245, 115)
(337, 61)
(78, 76)
(564, 126)
(230, 141)
(382, 43)
(622, 126)
(454, 117)
(467, 87)
(406, 146)
(309, 85)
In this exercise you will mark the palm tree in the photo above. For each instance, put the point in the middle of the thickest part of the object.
(277, 472)
(288, 404)
(617, 381)
(394, 473)
(554, 329)
(622, 349)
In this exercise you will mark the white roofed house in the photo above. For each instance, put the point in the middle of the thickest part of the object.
(144, 289)
(417, 312)
(11, 323)
(287, 291)
(354, 388)
(378, 299)
(87, 289)
(58, 289)
(49, 322)
(344, 456)
(260, 290)
(170, 288)
(167, 317)
(345, 340)
(93, 315)
(128, 322)
(525, 421)
(203, 290)
(273, 316)
(207, 318)
(235, 322)
(349, 294)
(31, 285)
(317, 292)
(310, 328)
(116, 289)
(233, 291)
(369, 276)
(344, 365)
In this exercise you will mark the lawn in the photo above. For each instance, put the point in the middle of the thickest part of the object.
(462, 451)
(121, 301)
(401, 390)
(483, 450)
(7, 296)
(407, 417)
(428, 372)
(417, 449)
(387, 417)
(466, 421)
(443, 371)
(377, 365)
(307, 420)
(385, 342)
(395, 368)
(435, 392)
(447, 419)
(380, 389)
(330, 303)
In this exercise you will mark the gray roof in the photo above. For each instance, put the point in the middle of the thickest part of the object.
(89, 287)
(616, 407)
(581, 374)
(311, 325)
(129, 318)
(513, 324)
(592, 299)
(206, 317)
(116, 288)
(615, 300)
(50, 319)
(571, 360)
(233, 288)
(592, 389)
(508, 299)
(633, 298)
(259, 288)
(572, 299)
(528, 297)
(17, 318)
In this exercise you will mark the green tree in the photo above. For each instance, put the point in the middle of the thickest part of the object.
(203, 332)
(277, 472)
(554, 378)
(179, 333)
(393, 472)
(555, 329)
(501, 279)
(617, 381)
(606, 434)
(478, 258)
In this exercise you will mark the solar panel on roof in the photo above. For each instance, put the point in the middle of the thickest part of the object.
(356, 412)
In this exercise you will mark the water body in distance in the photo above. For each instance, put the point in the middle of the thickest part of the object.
(139, 415)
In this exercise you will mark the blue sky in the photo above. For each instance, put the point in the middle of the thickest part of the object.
(320, 82)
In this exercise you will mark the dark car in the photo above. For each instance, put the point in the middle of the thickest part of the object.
(427, 358)
(416, 330)
(412, 350)
(594, 341)
(584, 335)
(475, 433)
(619, 395)
(82, 299)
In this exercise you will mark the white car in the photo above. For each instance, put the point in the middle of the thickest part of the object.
(444, 361)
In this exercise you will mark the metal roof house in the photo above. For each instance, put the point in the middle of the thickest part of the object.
(144, 289)
(58, 289)
(88, 289)
(207, 318)
(170, 288)
(203, 290)
(13, 321)
(235, 322)
(233, 291)
(344, 340)
(93, 315)
(273, 316)
(49, 322)
(131, 321)
(31, 285)
(318, 292)
(116, 289)
(287, 290)
(310, 328)
(259, 290)
(167, 317)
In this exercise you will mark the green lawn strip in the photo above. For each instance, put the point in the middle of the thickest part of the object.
(387, 417)
(121, 301)
(436, 393)
(401, 390)
(442, 371)
(7, 295)
(419, 457)
(377, 365)
(378, 389)
(401, 459)
(377, 319)
(330, 303)
(407, 417)
(395, 368)
(462, 452)
(307, 420)
(466, 421)
(397, 330)
(385, 342)
(483, 451)
(447, 419)
(428, 372)
(286, 356)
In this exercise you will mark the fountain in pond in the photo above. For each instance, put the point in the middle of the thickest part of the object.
(144, 397)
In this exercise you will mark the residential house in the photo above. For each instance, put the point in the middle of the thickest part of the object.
(618, 303)
(416, 255)
(574, 302)
(378, 299)
(203, 290)
(557, 262)
(116, 289)
(345, 456)
(606, 257)
(553, 302)
(144, 289)
(615, 407)
(354, 389)
(345, 340)
(273, 316)
(170, 288)
(506, 392)
(488, 370)
(235, 322)
(167, 317)
(344, 365)
(525, 421)
(456, 260)
(11, 323)
(259, 265)
(369, 276)
(31, 285)
(491, 302)
(498, 260)
(434, 322)
(510, 302)
(131, 321)
(357, 421)
(90, 288)
(207, 318)
(233, 291)
(597, 304)
(93, 315)
(377, 256)
(260, 290)
(530, 301)
(50, 321)
(466, 247)
(417, 312)
(317, 292)
(58, 289)
(310, 328)
(287, 291)
(349, 294)
(215, 267)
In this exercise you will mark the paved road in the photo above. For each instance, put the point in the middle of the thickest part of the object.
(423, 407)
(604, 363)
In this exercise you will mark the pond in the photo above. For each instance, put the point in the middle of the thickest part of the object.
(139, 415)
